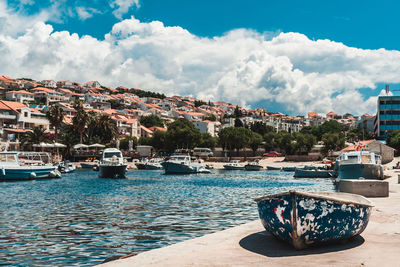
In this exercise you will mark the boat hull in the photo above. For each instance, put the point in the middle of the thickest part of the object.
(357, 170)
(316, 173)
(250, 167)
(154, 167)
(141, 166)
(303, 219)
(233, 168)
(271, 168)
(27, 173)
(87, 165)
(176, 168)
(112, 171)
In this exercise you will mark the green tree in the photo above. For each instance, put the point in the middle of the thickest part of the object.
(211, 118)
(208, 141)
(35, 136)
(237, 113)
(69, 137)
(304, 143)
(124, 143)
(269, 141)
(115, 104)
(332, 142)
(107, 129)
(80, 119)
(285, 142)
(151, 120)
(238, 123)
(145, 141)
(159, 140)
(182, 134)
(255, 141)
(55, 115)
(261, 127)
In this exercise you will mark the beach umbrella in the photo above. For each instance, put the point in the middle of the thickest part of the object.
(58, 145)
(80, 146)
(97, 145)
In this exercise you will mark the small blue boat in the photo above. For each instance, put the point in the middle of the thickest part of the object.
(26, 166)
(182, 164)
(288, 169)
(303, 219)
(272, 168)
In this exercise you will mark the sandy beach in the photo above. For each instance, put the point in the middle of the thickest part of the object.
(250, 245)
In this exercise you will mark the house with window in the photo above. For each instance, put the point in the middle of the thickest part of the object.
(20, 96)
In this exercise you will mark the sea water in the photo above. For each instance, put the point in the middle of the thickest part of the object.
(82, 220)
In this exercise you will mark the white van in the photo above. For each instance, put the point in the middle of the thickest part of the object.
(202, 152)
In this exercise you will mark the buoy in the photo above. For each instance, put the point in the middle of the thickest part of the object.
(32, 175)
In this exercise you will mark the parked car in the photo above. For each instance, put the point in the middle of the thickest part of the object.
(272, 154)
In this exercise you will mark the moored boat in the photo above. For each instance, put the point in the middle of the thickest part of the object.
(288, 169)
(154, 164)
(89, 164)
(253, 166)
(234, 165)
(356, 164)
(303, 219)
(181, 164)
(26, 166)
(273, 168)
(112, 164)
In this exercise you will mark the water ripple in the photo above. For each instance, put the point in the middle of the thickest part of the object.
(82, 220)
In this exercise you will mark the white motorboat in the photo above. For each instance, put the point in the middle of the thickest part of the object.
(234, 165)
(26, 166)
(112, 164)
(181, 164)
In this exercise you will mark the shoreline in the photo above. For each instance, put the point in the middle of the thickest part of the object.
(250, 245)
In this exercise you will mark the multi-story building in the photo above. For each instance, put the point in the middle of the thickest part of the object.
(388, 115)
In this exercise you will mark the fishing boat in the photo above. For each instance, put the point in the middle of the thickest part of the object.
(303, 219)
(65, 167)
(141, 165)
(89, 164)
(112, 164)
(288, 169)
(26, 166)
(154, 164)
(273, 168)
(253, 166)
(181, 164)
(312, 173)
(356, 164)
(234, 165)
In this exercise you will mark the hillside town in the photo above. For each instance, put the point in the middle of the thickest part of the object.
(25, 102)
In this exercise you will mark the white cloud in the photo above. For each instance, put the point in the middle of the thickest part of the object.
(242, 66)
(85, 12)
(121, 7)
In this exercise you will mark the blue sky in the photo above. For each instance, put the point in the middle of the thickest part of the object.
(341, 49)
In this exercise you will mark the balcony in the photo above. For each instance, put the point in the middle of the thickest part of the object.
(8, 117)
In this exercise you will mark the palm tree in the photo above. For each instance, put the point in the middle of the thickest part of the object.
(35, 136)
(108, 128)
(79, 123)
(92, 125)
(55, 115)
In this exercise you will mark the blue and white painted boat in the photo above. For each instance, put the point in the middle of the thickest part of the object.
(273, 168)
(359, 164)
(253, 166)
(181, 164)
(303, 219)
(234, 165)
(22, 166)
(154, 164)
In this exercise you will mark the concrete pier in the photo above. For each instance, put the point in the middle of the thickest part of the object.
(366, 188)
(250, 245)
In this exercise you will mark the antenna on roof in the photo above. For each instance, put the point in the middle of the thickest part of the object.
(387, 89)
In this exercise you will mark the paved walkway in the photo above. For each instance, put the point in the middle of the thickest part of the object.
(250, 245)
